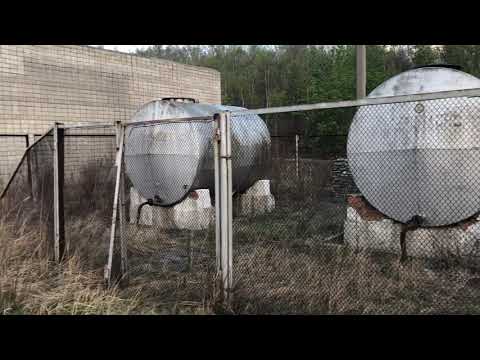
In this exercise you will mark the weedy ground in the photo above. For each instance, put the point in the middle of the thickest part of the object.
(291, 261)
(275, 271)
(32, 283)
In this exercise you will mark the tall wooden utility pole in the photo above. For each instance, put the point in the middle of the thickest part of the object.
(361, 72)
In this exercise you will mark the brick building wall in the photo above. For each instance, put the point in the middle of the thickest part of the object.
(42, 84)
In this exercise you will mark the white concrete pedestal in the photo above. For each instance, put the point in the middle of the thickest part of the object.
(193, 213)
(380, 233)
(255, 201)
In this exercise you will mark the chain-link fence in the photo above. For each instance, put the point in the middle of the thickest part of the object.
(405, 242)
(88, 192)
(87, 176)
(169, 217)
(27, 198)
(14, 147)
(385, 225)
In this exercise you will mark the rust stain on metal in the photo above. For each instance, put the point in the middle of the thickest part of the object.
(364, 209)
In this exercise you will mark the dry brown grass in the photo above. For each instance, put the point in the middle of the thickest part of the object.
(270, 279)
(335, 280)
(158, 266)
(32, 284)
(277, 270)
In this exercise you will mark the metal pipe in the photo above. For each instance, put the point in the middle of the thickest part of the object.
(216, 162)
(414, 223)
(88, 126)
(172, 120)
(364, 102)
(139, 210)
(229, 195)
(223, 203)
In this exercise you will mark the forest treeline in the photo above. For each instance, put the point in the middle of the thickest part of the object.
(264, 76)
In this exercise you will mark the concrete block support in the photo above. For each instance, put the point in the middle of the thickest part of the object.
(256, 200)
(194, 213)
(368, 229)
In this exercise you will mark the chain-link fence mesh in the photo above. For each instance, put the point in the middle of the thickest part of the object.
(88, 192)
(307, 147)
(169, 221)
(386, 225)
(10, 154)
(405, 241)
(89, 184)
(27, 202)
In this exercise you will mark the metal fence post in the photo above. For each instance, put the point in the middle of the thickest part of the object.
(216, 165)
(120, 134)
(296, 155)
(29, 166)
(223, 203)
(58, 183)
(118, 182)
(229, 195)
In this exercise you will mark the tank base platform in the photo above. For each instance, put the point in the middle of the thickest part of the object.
(256, 200)
(194, 213)
(368, 229)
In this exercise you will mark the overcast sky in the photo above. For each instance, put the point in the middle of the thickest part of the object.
(132, 48)
(125, 48)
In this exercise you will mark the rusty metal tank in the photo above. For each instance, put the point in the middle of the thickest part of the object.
(420, 158)
(166, 161)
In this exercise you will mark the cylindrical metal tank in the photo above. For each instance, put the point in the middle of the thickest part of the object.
(420, 158)
(166, 161)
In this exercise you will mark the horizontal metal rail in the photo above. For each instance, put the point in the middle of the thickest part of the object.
(87, 126)
(66, 135)
(289, 136)
(18, 135)
(88, 135)
(171, 120)
(363, 102)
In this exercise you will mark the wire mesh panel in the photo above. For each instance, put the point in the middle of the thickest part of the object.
(168, 212)
(13, 147)
(89, 184)
(27, 201)
(279, 225)
(392, 228)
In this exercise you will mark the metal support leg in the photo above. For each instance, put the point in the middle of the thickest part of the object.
(118, 164)
(123, 240)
